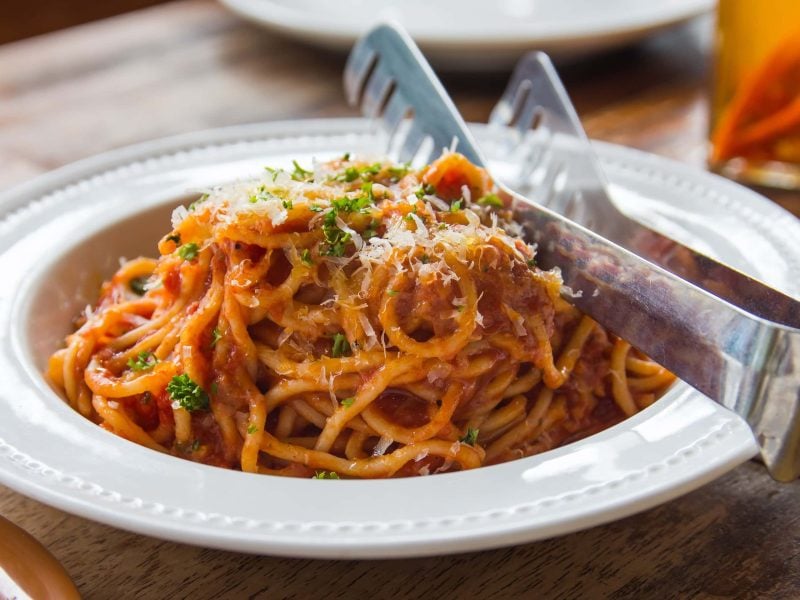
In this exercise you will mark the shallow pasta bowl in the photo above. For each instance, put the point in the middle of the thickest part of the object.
(61, 234)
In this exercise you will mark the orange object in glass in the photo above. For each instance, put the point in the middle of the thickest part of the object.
(755, 117)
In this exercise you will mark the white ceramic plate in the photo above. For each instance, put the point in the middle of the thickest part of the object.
(475, 34)
(61, 233)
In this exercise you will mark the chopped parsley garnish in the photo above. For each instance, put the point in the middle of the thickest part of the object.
(216, 335)
(352, 173)
(144, 361)
(392, 292)
(367, 189)
(398, 172)
(273, 172)
(425, 259)
(187, 394)
(335, 238)
(137, 285)
(305, 256)
(251, 428)
(456, 206)
(195, 445)
(300, 174)
(348, 205)
(188, 251)
(490, 200)
(287, 204)
(372, 230)
(175, 237)
(531, 262)
(426, 190)
(348, 402)
(340, 347)
(315, 208)
(325, 475)
(194, 204)
(471, 437)
(262, 195)
(346, 156)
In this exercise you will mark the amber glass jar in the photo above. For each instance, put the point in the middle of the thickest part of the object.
(755, 112)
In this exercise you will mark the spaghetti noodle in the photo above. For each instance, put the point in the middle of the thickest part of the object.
(361, 320)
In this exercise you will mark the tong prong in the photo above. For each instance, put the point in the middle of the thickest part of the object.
(386, 54)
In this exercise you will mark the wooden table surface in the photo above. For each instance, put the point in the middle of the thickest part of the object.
(190, 65)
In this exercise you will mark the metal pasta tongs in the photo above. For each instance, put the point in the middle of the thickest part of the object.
(741, 347)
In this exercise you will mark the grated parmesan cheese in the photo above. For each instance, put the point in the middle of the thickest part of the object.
(382, 445)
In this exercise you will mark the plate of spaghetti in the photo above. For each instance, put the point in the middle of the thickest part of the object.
(202, 328)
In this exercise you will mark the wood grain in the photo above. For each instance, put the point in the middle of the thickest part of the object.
(190, 65)
(22, 18)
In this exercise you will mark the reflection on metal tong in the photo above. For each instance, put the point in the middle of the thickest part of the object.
(728, 335)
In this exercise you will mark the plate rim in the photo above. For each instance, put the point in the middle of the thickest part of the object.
(75, 175)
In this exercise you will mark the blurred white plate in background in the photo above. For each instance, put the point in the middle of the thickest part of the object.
(476, 34)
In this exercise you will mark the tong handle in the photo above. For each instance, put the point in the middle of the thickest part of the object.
(547, 136)
(746, 363)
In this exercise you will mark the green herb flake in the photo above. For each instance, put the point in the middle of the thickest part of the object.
(350, 205)
(251, 428)
(216, 335)
(371, 170)
(372, 230)
(195, 445)
(392, 292)
(471, 437)
(174, 237)
(300, 174)
(187, 394)
(346, 156)
(305, 256)
(325, 475)
(287, 204)
(144, 361)
(456, 206)
(335, 238)
(348, 402)
(188, 251)
(315, 208)
(367, 189)
(340, 346)
(273, 172)
(531, 262)
(349, 174)
(194, 204)
(137, 285)
(425, 259)
(264, 195)
(398, 172)
(490, 200)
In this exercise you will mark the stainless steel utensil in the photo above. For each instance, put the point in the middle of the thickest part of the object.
(745, 362)
(540, 130)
